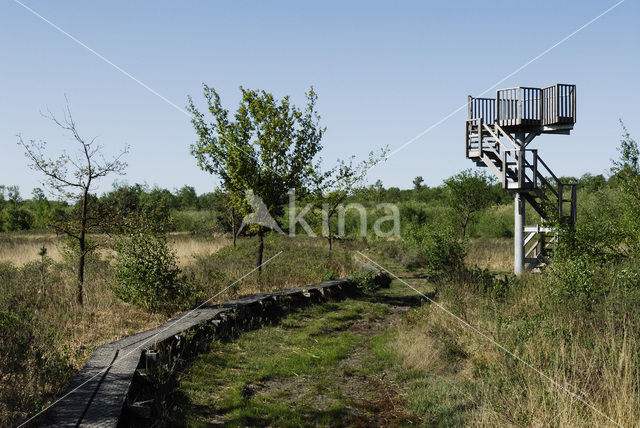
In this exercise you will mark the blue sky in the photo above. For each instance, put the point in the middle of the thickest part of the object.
(384, 72)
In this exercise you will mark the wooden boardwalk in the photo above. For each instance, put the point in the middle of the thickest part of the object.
(100, 392)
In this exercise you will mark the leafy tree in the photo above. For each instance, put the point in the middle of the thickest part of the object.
(629, 155)
(17, 218)
(592, 183)
(124, 200)
(332, 187)
(88, 166)
(13, 195)
(626, 172)
(417, 182)
(267, 148)
(158, 204)
(187, 197)
(468, 192)
(233, 217)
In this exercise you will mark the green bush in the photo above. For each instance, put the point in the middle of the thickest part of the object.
(573, 280)
(493, 222)
(17, 219)
(440, 250)
(370, 281)
(147, 273)
(29, 365)
(201, 221)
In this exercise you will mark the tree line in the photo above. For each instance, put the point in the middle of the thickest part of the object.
(123, 200)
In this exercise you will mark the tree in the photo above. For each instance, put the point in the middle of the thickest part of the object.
(17, 218)
(268, 149)
(232, 218)
(87, 167)
(13, 195)
(332, 187)
(187, 197)
(417, 182)
(468, 192)
(626, 172)
(629, 155)
(592, 183)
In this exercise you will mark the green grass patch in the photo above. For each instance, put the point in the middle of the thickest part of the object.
(282, 375)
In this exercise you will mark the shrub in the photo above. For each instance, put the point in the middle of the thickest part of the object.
(30, 364)
(439, 248)
(17, 219)
(197, 221)
(494, 222)
(572, 280)
(369, 280)
(147, 273)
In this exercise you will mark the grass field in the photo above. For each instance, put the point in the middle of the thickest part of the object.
(22, 248)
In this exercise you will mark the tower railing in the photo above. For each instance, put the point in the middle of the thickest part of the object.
(518, 106)
(482, 108)
(559, 104)
(525, 106)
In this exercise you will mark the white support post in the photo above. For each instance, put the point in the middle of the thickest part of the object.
(519, 138)
(519, 220)
(518, 235)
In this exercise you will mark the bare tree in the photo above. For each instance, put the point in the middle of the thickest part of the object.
(87, 166)
(331, 188)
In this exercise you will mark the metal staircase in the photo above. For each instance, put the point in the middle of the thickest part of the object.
(497, 134)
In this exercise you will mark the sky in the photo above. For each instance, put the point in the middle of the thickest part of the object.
(384, 72)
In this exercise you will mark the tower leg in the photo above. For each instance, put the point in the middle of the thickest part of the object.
(518, 235)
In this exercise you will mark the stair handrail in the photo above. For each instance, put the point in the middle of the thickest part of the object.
(505, 134)
(497, 137)
(539, 176)
(549, 170)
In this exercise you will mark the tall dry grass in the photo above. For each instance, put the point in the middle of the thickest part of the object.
(495, 254)
(189, 247)
(20, 248)
(592, 358)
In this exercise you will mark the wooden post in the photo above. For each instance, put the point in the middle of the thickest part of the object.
(467, 131)
(519, 107)
(480, 135)
(535, 168)
(560, 199)
(574, 205)
(504, 169)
